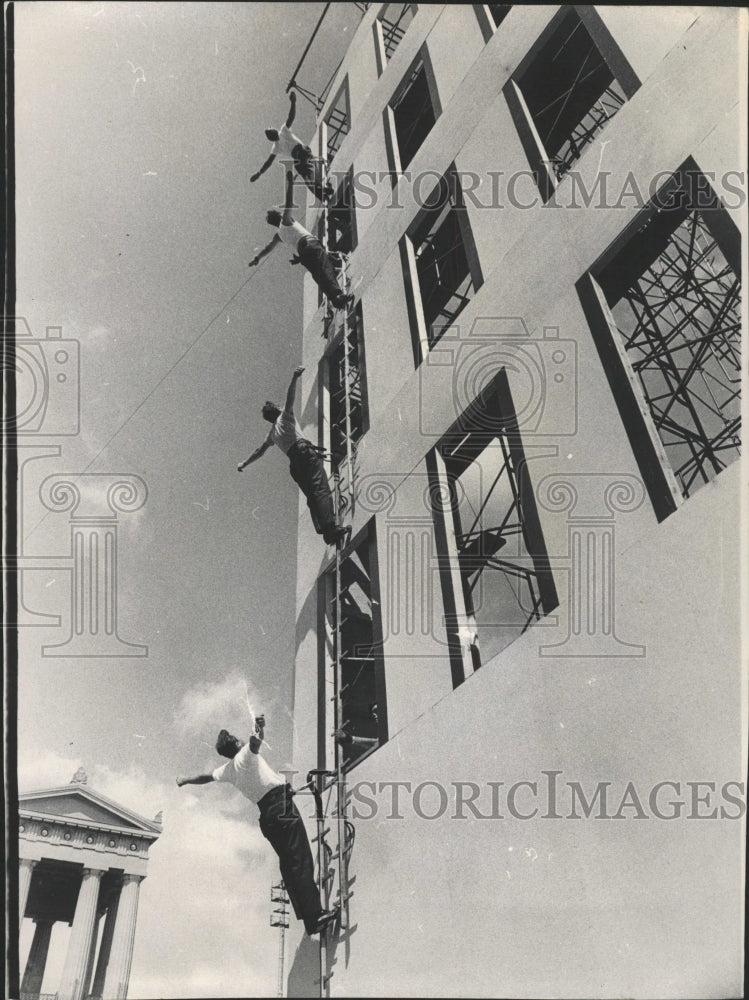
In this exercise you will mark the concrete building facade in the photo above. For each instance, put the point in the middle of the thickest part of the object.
(541, 594)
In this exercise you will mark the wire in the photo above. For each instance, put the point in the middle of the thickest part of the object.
(169, 371)
(161, 381)
(307, 48)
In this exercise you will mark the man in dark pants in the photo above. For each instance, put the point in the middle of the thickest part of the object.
(280, 822)
(289, 148)
(308, 249)
(305, 464)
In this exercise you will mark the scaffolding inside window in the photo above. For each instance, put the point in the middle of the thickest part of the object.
(342, 217)
(496, 543)
(570, 93)
(446, 265)
(337, 121)
(394, 21)
(444, 276)
(413, 112)
(675, 302)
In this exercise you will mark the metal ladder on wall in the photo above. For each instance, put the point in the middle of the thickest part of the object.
(341, 323)
(345, 471)
(329, 791)
(328, 787)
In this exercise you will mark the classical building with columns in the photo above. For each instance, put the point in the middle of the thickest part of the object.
(82, 859)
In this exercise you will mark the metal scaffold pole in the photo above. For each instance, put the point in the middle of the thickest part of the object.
(316, 784)
(340, 774)
(347, 332)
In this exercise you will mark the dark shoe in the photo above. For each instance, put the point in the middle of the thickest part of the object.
(326, 918)
(342, 536)
(335, 535)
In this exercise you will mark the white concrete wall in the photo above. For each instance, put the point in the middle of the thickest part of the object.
(560, 907)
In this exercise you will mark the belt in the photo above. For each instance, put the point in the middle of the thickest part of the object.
(302, 445)
(274, 793)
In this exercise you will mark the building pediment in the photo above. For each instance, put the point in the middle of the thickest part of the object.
(80, 804)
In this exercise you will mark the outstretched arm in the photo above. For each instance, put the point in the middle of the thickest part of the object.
(265, 251)
(292, 109)
(198, 779)
(291, 392)
(288, 218)
(264, 167)
(257, 453)
(256, 739)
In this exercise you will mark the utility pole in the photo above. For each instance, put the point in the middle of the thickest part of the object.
(279, 917)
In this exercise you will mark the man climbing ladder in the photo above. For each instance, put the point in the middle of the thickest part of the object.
(289, 148)
(305, 464)
(280, 822)
(309, 250)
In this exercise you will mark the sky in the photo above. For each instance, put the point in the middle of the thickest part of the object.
(137, 128)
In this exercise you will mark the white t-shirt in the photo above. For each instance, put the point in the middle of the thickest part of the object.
(250, 773)
(285, 432)
(285, 143)
(292, 234)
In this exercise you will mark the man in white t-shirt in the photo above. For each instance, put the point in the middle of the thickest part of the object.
(308, 249)
(305, 464)
(280, 821)
(289, 148)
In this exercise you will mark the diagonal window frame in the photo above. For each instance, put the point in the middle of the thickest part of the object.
(446, 195)
(570, 18)
(465, 554)
(686, 202)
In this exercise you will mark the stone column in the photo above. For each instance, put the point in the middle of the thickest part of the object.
(91, 955)
(37, 960)
(25, 871)
(97, 989)
(121, 956)
(79, 947)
